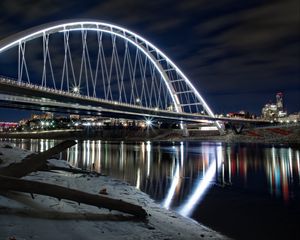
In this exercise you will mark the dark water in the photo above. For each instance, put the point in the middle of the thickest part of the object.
(245, 191)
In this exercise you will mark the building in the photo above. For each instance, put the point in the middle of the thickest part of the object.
(7, 126)
(292, 118)
(274, 111)
(47, 115)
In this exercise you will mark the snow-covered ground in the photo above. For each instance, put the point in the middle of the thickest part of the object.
(22, 217)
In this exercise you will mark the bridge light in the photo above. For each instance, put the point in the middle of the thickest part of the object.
(148, 123)
(138, 100)
(76, 90)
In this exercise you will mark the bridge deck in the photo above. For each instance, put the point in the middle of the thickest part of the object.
(28, 96)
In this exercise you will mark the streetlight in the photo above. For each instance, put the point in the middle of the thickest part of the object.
(148, 123)
(138, 101)
(76, 90)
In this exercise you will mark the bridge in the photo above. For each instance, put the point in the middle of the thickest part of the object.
(97, 68)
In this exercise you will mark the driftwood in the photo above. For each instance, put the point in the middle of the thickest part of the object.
(34, 162)
(9, 181)
(21, 185)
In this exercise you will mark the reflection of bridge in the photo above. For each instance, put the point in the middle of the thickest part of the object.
(97, 69)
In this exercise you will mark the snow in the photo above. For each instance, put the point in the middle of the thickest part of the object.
(22, 217)
(58, 163)
(10, 155)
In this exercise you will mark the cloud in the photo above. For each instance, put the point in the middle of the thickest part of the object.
(227, 47)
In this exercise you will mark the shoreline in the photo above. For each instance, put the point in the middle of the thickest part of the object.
(45, 217)
(267, 135)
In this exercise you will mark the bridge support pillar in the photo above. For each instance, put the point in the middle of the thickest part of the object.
(237, 128)
(184, 129)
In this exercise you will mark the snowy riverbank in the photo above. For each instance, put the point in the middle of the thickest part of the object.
(22, 217)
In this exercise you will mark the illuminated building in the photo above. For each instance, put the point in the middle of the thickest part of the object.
(47, 115)
(273, 111)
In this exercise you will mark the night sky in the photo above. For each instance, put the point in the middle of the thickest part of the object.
(237, 53)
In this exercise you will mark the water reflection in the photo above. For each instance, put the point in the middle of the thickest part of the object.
(179, 175)
(214, 160)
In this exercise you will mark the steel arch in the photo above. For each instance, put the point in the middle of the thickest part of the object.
(155, 55)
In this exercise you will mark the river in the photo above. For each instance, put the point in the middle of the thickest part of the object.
(245, 191)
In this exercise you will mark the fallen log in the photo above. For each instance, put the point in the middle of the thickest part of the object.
(34, 162)
(34, 187)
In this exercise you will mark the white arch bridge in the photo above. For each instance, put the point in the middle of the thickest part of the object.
(96, 68)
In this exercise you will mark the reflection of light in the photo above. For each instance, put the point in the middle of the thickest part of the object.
(138, 178)
(181, 153)
(93, 155)
(88, 162)
(298, 163)
(122, 156)
(47, 144)
(171, 191)
(280, 171)
(76, 156)
(285, 186)
(148, 149)
(84, 154)
(276, 172)
(175, 180)
(229, 164)
(42, 145)
(202, 184)
(99, 159)
(290, 164)
(143, 151)
(223, 174)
